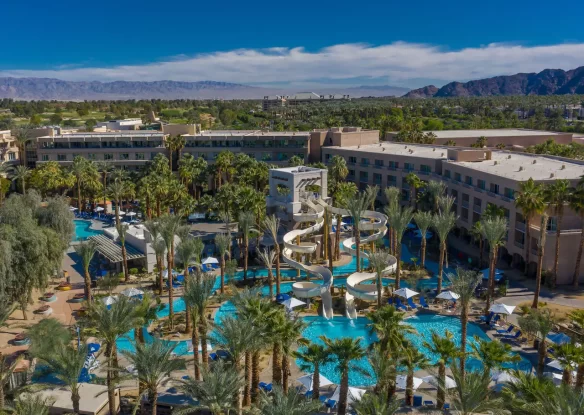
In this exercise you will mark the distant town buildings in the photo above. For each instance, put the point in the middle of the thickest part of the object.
(274, 102)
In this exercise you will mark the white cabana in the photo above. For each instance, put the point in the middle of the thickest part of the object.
(449, 383)
(503, 377)
(401, 382)
(109, 300)
(306, 381)
(448, 295)
(132, 292)
(354, 395)
(292, 302)
(502, 309)
(131, 214)
(99, 209)
(405, 293)
(210, 260)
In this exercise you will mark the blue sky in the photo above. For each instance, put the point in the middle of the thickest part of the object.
(398, 43)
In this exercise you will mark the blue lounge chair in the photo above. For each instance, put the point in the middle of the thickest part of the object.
(503, 331)
(428, 403)
(267, 388)
(417, 400)
(390, 301)
(223, 354)
(330, 403)
(446, 406)
(214, 357)
(512, 336)
(488, 318)
(412, 304)
(494, 320)
(423, 302)
(399, 305)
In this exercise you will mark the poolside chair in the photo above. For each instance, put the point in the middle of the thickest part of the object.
(266, 387)
(508, 330)
(390, 301)
(330, 403)
(423, 302)
(488, 318)
(428, 403)
(399, 305)
(322, 399)
(494, 320)
(412, 305)
(417, 400)
(510, 336)
(446, 406)
(223, 354)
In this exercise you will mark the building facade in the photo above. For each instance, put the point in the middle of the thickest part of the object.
(9, 152)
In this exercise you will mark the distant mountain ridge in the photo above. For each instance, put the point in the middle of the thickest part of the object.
(546, 82)
(56, 89)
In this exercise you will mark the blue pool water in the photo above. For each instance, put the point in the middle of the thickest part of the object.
(423, 324)
(83, 230)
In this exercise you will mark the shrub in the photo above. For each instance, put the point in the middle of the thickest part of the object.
(133, 271)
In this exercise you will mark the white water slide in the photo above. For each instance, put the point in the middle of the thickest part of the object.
(355, 282)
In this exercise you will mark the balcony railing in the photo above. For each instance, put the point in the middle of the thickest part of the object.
(520, 226)
(491, 194)
(465, 204)
(424, 173)
(507, 199)
(477, 209)
(468, 186)
(519, 244)
(377, 166)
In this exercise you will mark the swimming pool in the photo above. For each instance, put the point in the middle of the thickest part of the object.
(83, 230)
(424, 324)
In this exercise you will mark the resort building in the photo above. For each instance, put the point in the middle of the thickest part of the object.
(9, 152)
(475, 178)
(117, 125)
(273, 102)
(512, 137)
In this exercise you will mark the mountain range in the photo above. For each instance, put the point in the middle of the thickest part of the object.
(56, 89)
(546, 82)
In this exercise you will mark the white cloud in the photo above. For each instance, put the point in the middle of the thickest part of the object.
(395, 64)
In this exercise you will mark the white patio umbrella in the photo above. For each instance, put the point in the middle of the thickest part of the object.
(449, 383)
(121, 213)
(401, 382)
(405, 293)
(503, 377)
(132, 292)
(292, 302)
(99, 209)
(165, 274)
(72, 208)
(109, 300)
(448, 295)
(210, 260)
(502, 309)
(306, 381)
(131, 214)
(354, 395)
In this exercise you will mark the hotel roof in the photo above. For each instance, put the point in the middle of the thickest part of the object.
(504, 132)
(250, 133)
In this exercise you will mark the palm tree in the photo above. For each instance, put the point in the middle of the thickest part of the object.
(159, 248)
(389, 326)
(22, 137)
(567, 354)
(577, 205)
(410, 360)
(104, 168)
(223, 166)
(494, 355)
(79, 170)
(472, 395)
(530, 200)
(216, 392)
(66, 364)
(540, 255)
(312, 358)
(21, 173)
(223, 245)
(185, 253)
(494, 231)
(443, 223)
(435, 190)
(399, 219)
(118, 190)
(286, 403)
(122, 228)
(271, 225)
(379, 261)
(464, 283)
(343, 192)
(169, 226)
(477, 234)
(6, 371)
(154, 361)
(32, 405)
(86, 250)
(111, 324)
(446, 350)
(424, 221)
(290, 337)
(245, 221)
(337, 170)
(558, 194)
(356, 206)
(415, 183)
(267, 257)
(174, 143)
(383, 370)
(276, 326)
(372, 404)
(347, 350)
(538, 323)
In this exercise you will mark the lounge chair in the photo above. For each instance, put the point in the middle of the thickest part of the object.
(417, 400)
(412, 304)
(487, 319)
(322, 399)
(503, 331)
(330, 403)
(399, 305)
(446, 406)
(494, 320)
(428, 403)
(266, 387)
(214, 357)
(308, 395)
(423, 302)
(223, 354)
(390, 301)
(512, 336)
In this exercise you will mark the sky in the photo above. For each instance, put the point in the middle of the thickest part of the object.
(297, 44)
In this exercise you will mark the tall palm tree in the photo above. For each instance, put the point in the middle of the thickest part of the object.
(383, 370)
(356, 206)
(111, 324)
(435, 190)
(276, 326)
(424, 221)
(392, 195)
(86, 250)
(22, 137)
(185, 253)
(105, 168)
(312, 359)
(290, 338)
(443, 223)
(223, 166)
(389, 326)
(540, 255)
(267, 258)
(159, 248)
(118, 190)
(338, 170)
(415, 183)
(169, 226)
(122, 229)
(379, 261)
(477, 234)
(6, 371)
(464, 283)
(400, 218)
(271, 225)
(246, 221)
(538, 323)
(446, 350)
(373, 404)
(217, 391)
(494, 355)
(411, 359)
(66, 363)
(223, 245)
(577, 205)
(494, 231)
(286, 403)
(21, 173)
(174, 143)
(154, 361)
(32, 405)
(79, 170)
(558, 194)
(568, 355)
(343, 192)
(347, 350)
(530, 200)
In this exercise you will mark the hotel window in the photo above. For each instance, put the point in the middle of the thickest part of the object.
(391, 181)
(510, 193)
(352, 160)
(495, 188)
(376, 178)
(468, 180)
(447, 174)
(61, 157)
(111, 156)
(365, 162)
(457, 177)
(351, 174)
(152, 156)
(11, 156)
(363, 176)
(45, 157)
(425, 168)
(393, 165)
(139, 156)
(124, 156)
(378, 163)
(481, 184)
(327, 158)
(91, 156)
(409, 166)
